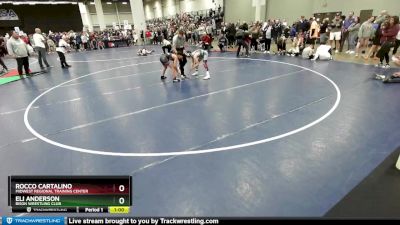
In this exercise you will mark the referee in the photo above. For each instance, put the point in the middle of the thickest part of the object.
(178, 44)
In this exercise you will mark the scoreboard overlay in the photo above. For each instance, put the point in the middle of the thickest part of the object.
(75, 194)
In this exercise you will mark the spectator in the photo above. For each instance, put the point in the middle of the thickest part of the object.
(293, 32)
(314, 31)
(222, 42)
(353, 34)
(3, 51)
(345, 30)
(388, 38)
(276, 30)
(365, 32)
(255, 35)
(281, 45)
(231, 34)
(336, 32)
(240, 40)
(376, 41)
(245, 26)
(18, 49)
(206, 40)
(268, 38)
(397, 43)
(323, 36)
(39, 43)
(166, 46)
(63, 47)
(302, 25)
(84, 39)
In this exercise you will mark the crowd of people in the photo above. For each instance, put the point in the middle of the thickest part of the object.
(374, 37)
(195, 26)
(20, 45)
(313, 38)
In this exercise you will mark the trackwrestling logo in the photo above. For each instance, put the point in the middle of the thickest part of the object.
(33, 221)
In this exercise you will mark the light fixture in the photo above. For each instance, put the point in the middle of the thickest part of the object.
(109, 3)
(92, 3)
(124, 3)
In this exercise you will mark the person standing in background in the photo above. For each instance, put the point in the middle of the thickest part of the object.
(84, 39)
(78, 42)
(240, 41)
(255, 35)
(353, 34)
(276, 30)
(268, 38)
(302, 24)
(379, 20)
(18, 49)
(178, 46)
(63, 47)
(230, 34)
(206, 40)
(388, 38)
(345, 30)
(397, 43)
(323, 37)
(222, 42)
(39, 43)
(3, 51)
(166, 45)
(336, 32)
(365, 32)
(314, 31)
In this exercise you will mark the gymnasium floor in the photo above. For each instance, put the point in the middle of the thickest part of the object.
(266, 136)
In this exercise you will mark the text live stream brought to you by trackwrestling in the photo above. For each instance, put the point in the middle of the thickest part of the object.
(104, 221)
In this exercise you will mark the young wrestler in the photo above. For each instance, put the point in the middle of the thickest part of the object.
(198, 56)
(323, 52)
(144, 52)
(308, 52)
(395, 78)
(165, 60)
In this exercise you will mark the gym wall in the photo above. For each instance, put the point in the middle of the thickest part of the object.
(242, 10)
(291, 10)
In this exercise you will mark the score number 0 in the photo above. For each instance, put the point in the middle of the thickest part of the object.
(121, 200)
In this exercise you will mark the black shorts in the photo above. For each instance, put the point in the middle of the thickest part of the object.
(376, 40)
(386, 46)
(179, 51)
